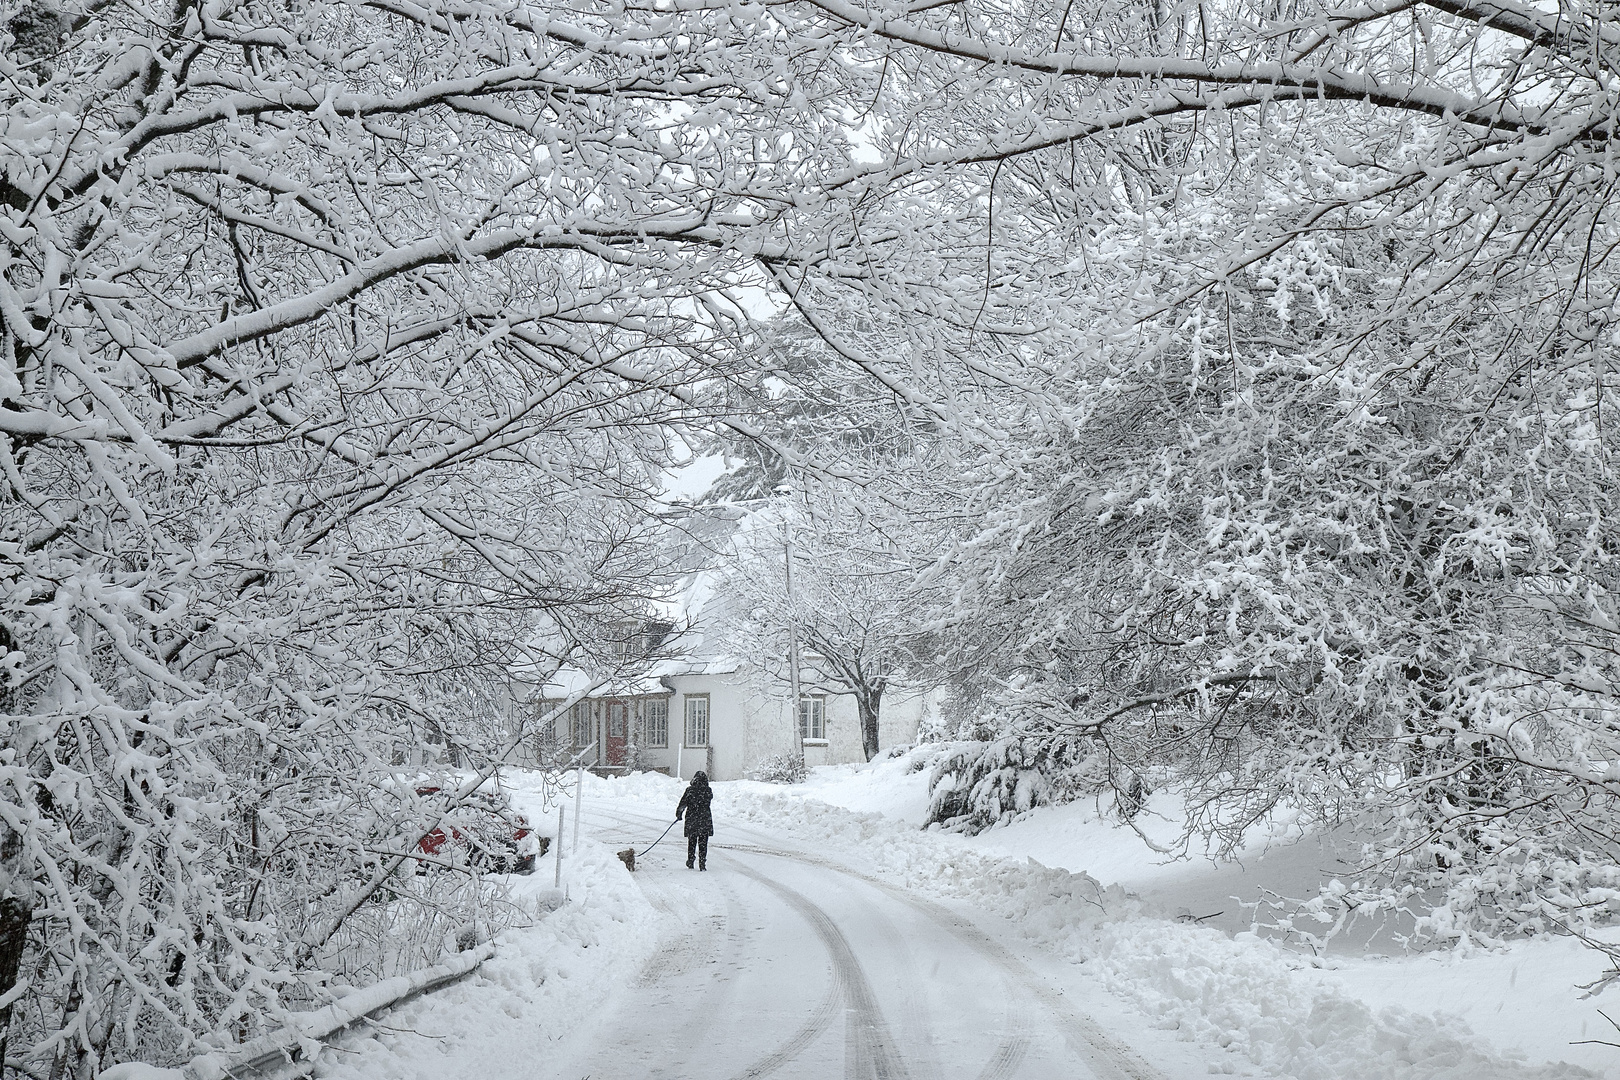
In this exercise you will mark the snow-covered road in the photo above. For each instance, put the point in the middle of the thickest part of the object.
(781, 962)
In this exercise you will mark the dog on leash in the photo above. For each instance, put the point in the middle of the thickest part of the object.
(628, 857)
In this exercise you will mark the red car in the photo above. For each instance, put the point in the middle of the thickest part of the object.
(483, 831)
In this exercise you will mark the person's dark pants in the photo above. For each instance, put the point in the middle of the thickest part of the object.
(697, 847)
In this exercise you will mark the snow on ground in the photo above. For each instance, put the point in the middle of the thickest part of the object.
(889, 788)
(1487, 1013)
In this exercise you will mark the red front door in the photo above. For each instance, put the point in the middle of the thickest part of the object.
(618, 726)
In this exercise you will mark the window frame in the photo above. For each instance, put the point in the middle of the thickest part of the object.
(647, 721)
(813, 728)
(687, 721)
(580, 720)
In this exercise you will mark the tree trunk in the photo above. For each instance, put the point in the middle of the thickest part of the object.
(868, 698)
(16, 911)
(16, 894)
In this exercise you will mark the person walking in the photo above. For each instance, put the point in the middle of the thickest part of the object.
(694, 806)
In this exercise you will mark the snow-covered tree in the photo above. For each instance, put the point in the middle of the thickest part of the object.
(1280, 400)
(337, 340)
(826, 570)
(1307, 539)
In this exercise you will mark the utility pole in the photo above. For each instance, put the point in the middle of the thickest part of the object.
(793, 642)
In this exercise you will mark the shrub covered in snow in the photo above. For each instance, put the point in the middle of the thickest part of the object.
(785, 768)
(977, 784)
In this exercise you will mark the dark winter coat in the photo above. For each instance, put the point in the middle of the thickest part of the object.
(694, 806)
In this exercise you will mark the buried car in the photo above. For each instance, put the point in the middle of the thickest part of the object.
(483, 831)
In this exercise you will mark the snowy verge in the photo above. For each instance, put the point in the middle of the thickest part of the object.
(305, 1031)
(544, 982)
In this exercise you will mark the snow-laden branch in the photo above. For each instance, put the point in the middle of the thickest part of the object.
(1270, 80)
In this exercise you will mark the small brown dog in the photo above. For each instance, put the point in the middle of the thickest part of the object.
(628, 857)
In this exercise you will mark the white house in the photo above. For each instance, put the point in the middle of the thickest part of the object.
(694, 703)
(699, 709)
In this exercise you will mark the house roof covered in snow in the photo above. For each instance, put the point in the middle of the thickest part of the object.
(573, 682)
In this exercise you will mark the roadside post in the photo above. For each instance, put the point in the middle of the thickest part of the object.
(579, 799)
(562, 816)
(793, 641)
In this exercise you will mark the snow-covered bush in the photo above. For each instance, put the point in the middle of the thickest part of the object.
(975, 785)
(784, 768)
(414, 919)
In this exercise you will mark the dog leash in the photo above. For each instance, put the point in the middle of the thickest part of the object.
(660, 837)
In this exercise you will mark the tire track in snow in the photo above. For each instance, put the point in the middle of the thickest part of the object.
(1009, 1055)
(870, 1049)
(1014, 1045)
(813, 1028)
(915, 1021)
(1108, 1059)
(863, 1060)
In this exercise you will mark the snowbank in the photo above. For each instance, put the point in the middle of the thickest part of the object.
(1266, 1004)
(890, 787)
(544, 981)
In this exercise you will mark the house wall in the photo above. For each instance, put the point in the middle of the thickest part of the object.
(750, 719)
(745, 724)
(646, 757)
(901, 716)
(664, 758)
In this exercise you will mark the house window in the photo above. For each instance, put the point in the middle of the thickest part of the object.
(579, 724)
(813, 717)
(617, 711)
(658, 721)
(697, 720)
